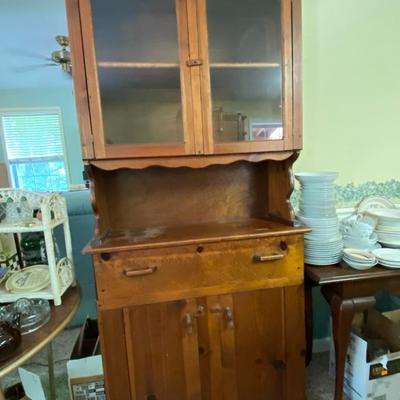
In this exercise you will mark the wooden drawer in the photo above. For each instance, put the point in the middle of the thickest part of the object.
(156, 275)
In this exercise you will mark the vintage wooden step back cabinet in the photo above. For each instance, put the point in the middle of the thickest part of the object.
(190, 120)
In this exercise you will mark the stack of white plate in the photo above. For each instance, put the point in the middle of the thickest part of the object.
(359, 259)
(388, 226)
(322, 246)
(388, 257)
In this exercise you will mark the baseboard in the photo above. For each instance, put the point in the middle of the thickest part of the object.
(321, 345)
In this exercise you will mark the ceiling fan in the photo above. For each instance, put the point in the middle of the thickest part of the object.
(60, 57)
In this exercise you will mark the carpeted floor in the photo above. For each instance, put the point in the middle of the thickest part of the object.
(319, 384)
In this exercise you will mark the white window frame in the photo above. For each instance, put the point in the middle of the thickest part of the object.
(35, 111)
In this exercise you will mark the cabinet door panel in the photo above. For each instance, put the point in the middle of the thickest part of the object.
(259, 343)
(248, 72)
(114, 353)
(242, 346)
(134, 51)
(162, 351)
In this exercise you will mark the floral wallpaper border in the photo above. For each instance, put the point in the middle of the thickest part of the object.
(350, 194)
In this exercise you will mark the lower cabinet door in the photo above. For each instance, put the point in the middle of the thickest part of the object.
(241, 346)
(162, 350)
(251, 346)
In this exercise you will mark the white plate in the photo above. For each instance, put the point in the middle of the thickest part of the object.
(389, 265)
(328, 250)
(389, 237)
(359, 254)
(386, 216)
(370, 261)
(388, 229)
(316, 176)
(387, 255)
(373, 202)
(30, 279)
(316, 222)
(390, 245)
(322, 262)
(325, 249)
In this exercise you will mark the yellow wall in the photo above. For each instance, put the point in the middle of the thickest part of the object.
(351, 61)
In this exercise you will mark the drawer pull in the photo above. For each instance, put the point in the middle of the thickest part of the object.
(140, 272)
(271, 257)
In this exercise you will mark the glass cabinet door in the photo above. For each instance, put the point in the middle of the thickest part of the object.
(245, 64)
(139, 82)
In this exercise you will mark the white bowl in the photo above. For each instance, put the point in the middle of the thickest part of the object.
(386, 216)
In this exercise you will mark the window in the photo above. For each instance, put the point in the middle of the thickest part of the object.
(266, 131)
(34, 146)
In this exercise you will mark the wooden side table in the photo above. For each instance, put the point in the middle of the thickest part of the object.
(36, 341)
(347, 291)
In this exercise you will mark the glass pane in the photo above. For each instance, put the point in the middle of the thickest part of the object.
(138, 69)
(245, 69)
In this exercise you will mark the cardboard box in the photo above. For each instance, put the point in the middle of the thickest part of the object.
(85, 369)
(86, 380)
(379, 378)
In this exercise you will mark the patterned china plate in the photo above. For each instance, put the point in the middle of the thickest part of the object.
(372, 202)
(30, 279)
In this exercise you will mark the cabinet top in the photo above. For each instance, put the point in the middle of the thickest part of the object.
(158, 237)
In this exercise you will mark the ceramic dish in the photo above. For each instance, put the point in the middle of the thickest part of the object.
(322, 176)
(391, 245)
(387, 255)
(373, 202)
(30, 279)
(386, 216)
(359, 255)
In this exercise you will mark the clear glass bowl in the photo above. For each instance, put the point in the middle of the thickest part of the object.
(33, 314)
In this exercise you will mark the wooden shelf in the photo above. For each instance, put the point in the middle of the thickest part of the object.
(129, 64)
(245, 65)
(156, 237)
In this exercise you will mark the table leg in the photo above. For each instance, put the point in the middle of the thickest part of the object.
(2, 397)
(50, 362)
(342, 316)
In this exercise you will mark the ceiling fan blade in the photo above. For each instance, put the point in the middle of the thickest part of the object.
(27, 68)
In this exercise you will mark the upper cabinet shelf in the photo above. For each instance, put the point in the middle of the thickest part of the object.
(132, 64)
(168, 78)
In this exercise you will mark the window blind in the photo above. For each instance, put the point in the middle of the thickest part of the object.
(33, 136)
(34, 148)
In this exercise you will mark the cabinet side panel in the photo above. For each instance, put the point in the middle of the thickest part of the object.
(280, 188)
(295, 343)
(297, 76)
(91, 78)
(113, 349)
(286, 17)
(259, 341)
(79, 77)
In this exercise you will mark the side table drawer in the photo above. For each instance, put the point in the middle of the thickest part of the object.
(148, 276)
